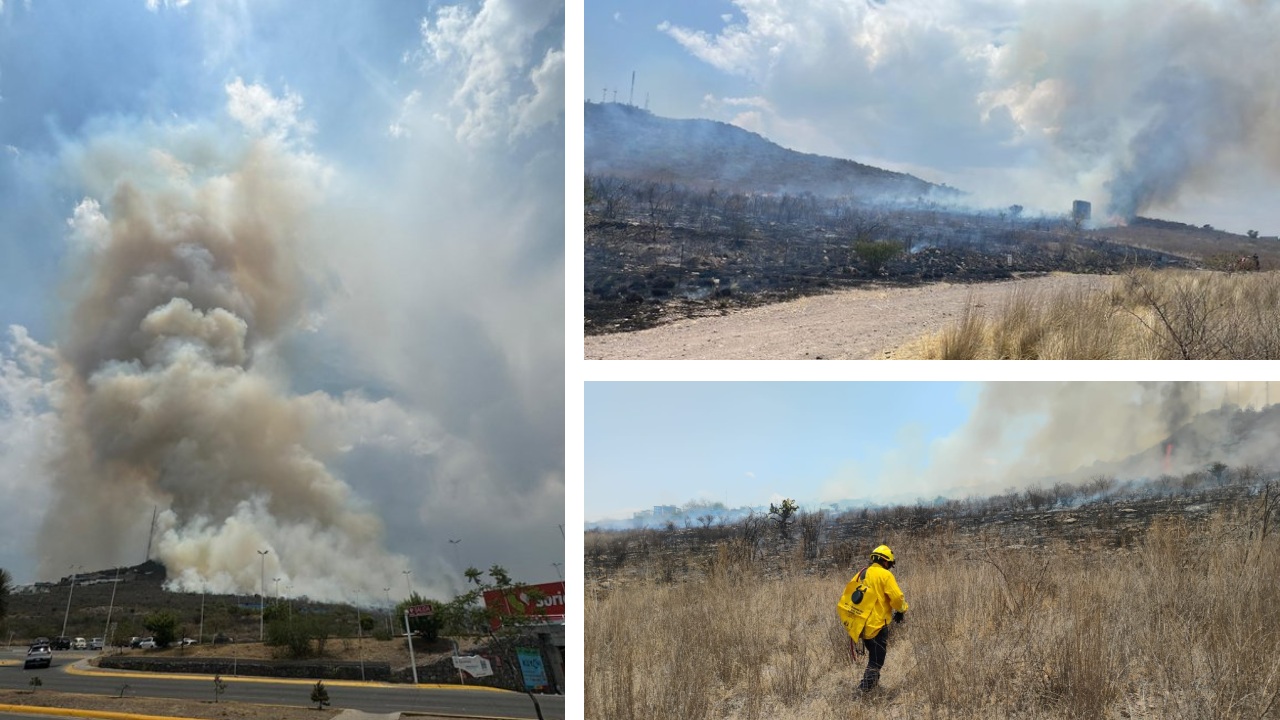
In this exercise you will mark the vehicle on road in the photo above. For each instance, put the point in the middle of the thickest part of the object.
(79, 644)
(61, 643)
(189, 641)
(95, 644)
(133, 641)
(38, 656)
(147, 644)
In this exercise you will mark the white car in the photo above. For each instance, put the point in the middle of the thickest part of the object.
(79, 644)
(38, 656)
(147, 644)
(95, 644)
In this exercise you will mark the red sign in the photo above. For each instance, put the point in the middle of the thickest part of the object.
(519, 601)
(420, 610)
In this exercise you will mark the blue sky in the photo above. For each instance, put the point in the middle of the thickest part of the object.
(1014, 102)
(747, 444)
(337, 226)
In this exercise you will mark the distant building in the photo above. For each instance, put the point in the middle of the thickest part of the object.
(1081, 211)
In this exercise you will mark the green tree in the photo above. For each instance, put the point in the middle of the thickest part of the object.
(6, 586)
(319, 695)
(163, 626)
(783, 515)
(426, 627)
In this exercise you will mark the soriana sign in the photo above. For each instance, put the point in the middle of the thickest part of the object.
(547, 602)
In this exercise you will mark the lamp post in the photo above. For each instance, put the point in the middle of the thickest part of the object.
(359, 637)
(407, 583)
(106, 637)
(66, 615)
(203, 590)
(262, 591)
(277, 581)
(390, 629)
(457, 556)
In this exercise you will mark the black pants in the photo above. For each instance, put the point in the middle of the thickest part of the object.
(876, 649)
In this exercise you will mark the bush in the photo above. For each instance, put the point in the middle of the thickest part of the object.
(875, 254)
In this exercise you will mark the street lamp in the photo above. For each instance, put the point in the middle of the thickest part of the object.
(457, 556)
(70, 592)
(203, 589)
(390, 630)
(106, 636)
(407, 583)
(277, 581)
(262, 605)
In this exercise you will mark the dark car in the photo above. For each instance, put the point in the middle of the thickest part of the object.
(61, 643)
(38, 656)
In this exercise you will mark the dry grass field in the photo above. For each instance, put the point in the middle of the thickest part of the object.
(1184, 621)
(1145, 314)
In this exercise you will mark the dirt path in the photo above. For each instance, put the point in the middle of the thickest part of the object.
(849, 325)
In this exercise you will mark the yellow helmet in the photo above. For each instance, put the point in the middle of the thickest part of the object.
(883, 552)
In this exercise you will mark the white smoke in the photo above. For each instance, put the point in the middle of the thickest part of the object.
(1136, 105)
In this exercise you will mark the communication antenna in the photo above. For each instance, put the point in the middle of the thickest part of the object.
(631, 99)
(152, 533)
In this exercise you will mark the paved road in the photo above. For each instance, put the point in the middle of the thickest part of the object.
(370, 697)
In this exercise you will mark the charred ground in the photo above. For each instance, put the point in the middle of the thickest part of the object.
(654, 252)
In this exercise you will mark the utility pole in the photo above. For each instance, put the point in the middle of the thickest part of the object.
(407, 583)
(390, 629)
(277, 581)
(631, 99)
(262, 605)
(203, 590)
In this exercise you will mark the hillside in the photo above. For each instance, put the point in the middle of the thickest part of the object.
(632, 143)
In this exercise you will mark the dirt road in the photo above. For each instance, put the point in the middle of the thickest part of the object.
(848, 325)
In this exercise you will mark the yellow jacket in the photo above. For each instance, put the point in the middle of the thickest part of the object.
(881, 598)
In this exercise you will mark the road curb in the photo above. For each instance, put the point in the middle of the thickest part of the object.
(82, 667)
(72, 712)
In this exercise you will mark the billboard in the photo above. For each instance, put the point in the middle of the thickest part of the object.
(519, 601)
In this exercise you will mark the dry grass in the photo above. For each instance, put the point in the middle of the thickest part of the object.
(1186, 625)
(1156, 315)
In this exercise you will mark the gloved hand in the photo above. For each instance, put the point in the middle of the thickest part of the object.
(899, 617)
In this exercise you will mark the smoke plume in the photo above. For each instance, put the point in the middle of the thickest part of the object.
(188, 269)
(1161, 97)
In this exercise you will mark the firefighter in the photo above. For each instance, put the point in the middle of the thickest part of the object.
(870, 602)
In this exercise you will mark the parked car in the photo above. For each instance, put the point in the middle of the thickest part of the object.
(79, 644)
(188, 641)
(38, 656)
(133, 641)
(60, 643)
(147, 644)
(95, 644)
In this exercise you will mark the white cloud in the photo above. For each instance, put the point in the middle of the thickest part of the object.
(262, 113)
(504, 84)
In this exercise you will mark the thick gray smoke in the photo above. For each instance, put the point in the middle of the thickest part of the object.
(1158, 97)
(1024, 433)
(188, 270)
